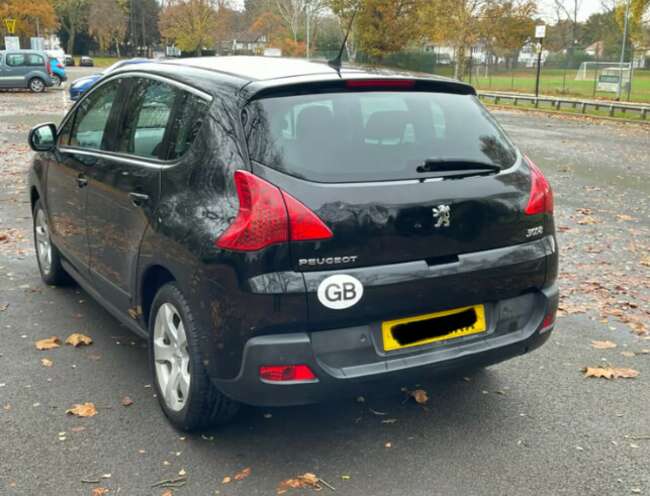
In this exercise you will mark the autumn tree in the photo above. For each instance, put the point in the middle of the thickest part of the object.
(457, 23)
(194, 24)
(32, 16)
(639, 10)
(73, 16)
(107, 23)
(507, 26)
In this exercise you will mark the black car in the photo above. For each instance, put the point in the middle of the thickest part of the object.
(86, 61)
(283, 232)
(69, 60)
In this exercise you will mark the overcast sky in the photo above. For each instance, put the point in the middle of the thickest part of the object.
(546, 7)
(587, 7)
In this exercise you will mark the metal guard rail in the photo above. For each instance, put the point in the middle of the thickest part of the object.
(557, 103)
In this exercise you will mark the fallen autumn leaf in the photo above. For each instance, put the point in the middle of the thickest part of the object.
(46, 362)
(603, 345)
(243, 474)
(302, 481)
(82, 410)
(610, 372)
(420, 396)
(126, 401)
(78, 339)
(48, 343)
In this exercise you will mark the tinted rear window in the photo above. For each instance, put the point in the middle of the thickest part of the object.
(372, 136)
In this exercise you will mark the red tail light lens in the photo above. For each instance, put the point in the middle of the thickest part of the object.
(59, 65)
(304, 225)
(541, 194)
(268, 215)
(285, 373)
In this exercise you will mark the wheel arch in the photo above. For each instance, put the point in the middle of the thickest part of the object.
(34, 196)
(153, 278)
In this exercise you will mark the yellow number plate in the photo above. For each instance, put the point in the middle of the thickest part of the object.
(432, 327)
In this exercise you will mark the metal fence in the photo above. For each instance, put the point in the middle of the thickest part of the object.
(557, 103)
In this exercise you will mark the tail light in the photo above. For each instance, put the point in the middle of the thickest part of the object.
(59, 65)
(287, 373)
(541, 194)
(49, 68)
(380, 83)
(267, 215)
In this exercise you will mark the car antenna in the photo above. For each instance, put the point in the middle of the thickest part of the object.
(336, 62)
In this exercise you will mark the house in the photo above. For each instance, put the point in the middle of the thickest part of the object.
(596, 49)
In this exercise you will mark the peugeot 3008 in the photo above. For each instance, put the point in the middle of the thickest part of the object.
(283, 232)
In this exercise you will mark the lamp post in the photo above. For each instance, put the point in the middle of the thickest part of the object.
(622, 61)
(540, 33)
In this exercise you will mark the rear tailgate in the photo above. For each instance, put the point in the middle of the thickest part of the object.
(418, 236)
(405, 264)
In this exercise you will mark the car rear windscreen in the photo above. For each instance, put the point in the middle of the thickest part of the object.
(372, 136)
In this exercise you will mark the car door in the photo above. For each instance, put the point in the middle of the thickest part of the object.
(123, 190)
(13, 71)
(79, 145)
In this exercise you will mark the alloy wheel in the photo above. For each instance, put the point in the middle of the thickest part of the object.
(36, 85)
(171, 357)
(43, 243)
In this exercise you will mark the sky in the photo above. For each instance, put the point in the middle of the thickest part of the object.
(586, 8)
(546, 7)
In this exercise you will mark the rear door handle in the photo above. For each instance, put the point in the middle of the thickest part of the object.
(138, 198)
(82, 182)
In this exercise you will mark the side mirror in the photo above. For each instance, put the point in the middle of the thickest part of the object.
(42, 138)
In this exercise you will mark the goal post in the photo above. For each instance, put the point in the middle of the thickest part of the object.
(589, 70)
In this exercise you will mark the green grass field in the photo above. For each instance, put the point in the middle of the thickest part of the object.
(551, 83)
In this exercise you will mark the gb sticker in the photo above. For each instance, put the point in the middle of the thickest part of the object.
(340, 291)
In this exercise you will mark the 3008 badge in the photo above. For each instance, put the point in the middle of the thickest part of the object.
(340, 291)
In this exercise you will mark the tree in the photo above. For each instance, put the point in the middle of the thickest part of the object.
(143, 23)
(194, 24)
(569, 10)
(107, 24)
(73, 15)
(515, 27)
(32, 17)
(455, 22)
(380, 26)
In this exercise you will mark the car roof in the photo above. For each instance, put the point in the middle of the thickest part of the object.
(264, 73)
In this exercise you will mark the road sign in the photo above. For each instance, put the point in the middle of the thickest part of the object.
(37, 43)
(12, 43)
(540, 31)
(11, 25)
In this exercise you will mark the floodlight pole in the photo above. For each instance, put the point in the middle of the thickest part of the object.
(620, 65)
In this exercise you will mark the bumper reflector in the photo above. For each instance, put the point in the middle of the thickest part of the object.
(549, 320)
(287, 373)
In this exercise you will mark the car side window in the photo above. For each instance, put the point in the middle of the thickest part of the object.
(15, 59)
(186, 124)
(92, 116)
(148, 114)
(35, 60)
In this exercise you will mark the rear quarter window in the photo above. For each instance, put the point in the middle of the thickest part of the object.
(372, 136)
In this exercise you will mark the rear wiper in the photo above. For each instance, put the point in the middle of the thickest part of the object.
(453, 165)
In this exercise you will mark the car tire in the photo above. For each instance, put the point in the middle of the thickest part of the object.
(47, 255)
(36, 85)
(56, 80)
(185, 393)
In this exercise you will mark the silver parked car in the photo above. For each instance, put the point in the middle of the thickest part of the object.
(25, 69)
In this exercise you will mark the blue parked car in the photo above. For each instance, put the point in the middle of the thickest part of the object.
(81, 85)
(58, 75)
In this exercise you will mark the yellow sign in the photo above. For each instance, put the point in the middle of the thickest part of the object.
(11, 25)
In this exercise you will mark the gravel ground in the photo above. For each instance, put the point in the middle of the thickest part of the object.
(531, 426)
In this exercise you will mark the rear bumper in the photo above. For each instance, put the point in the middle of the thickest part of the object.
(350, 361)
